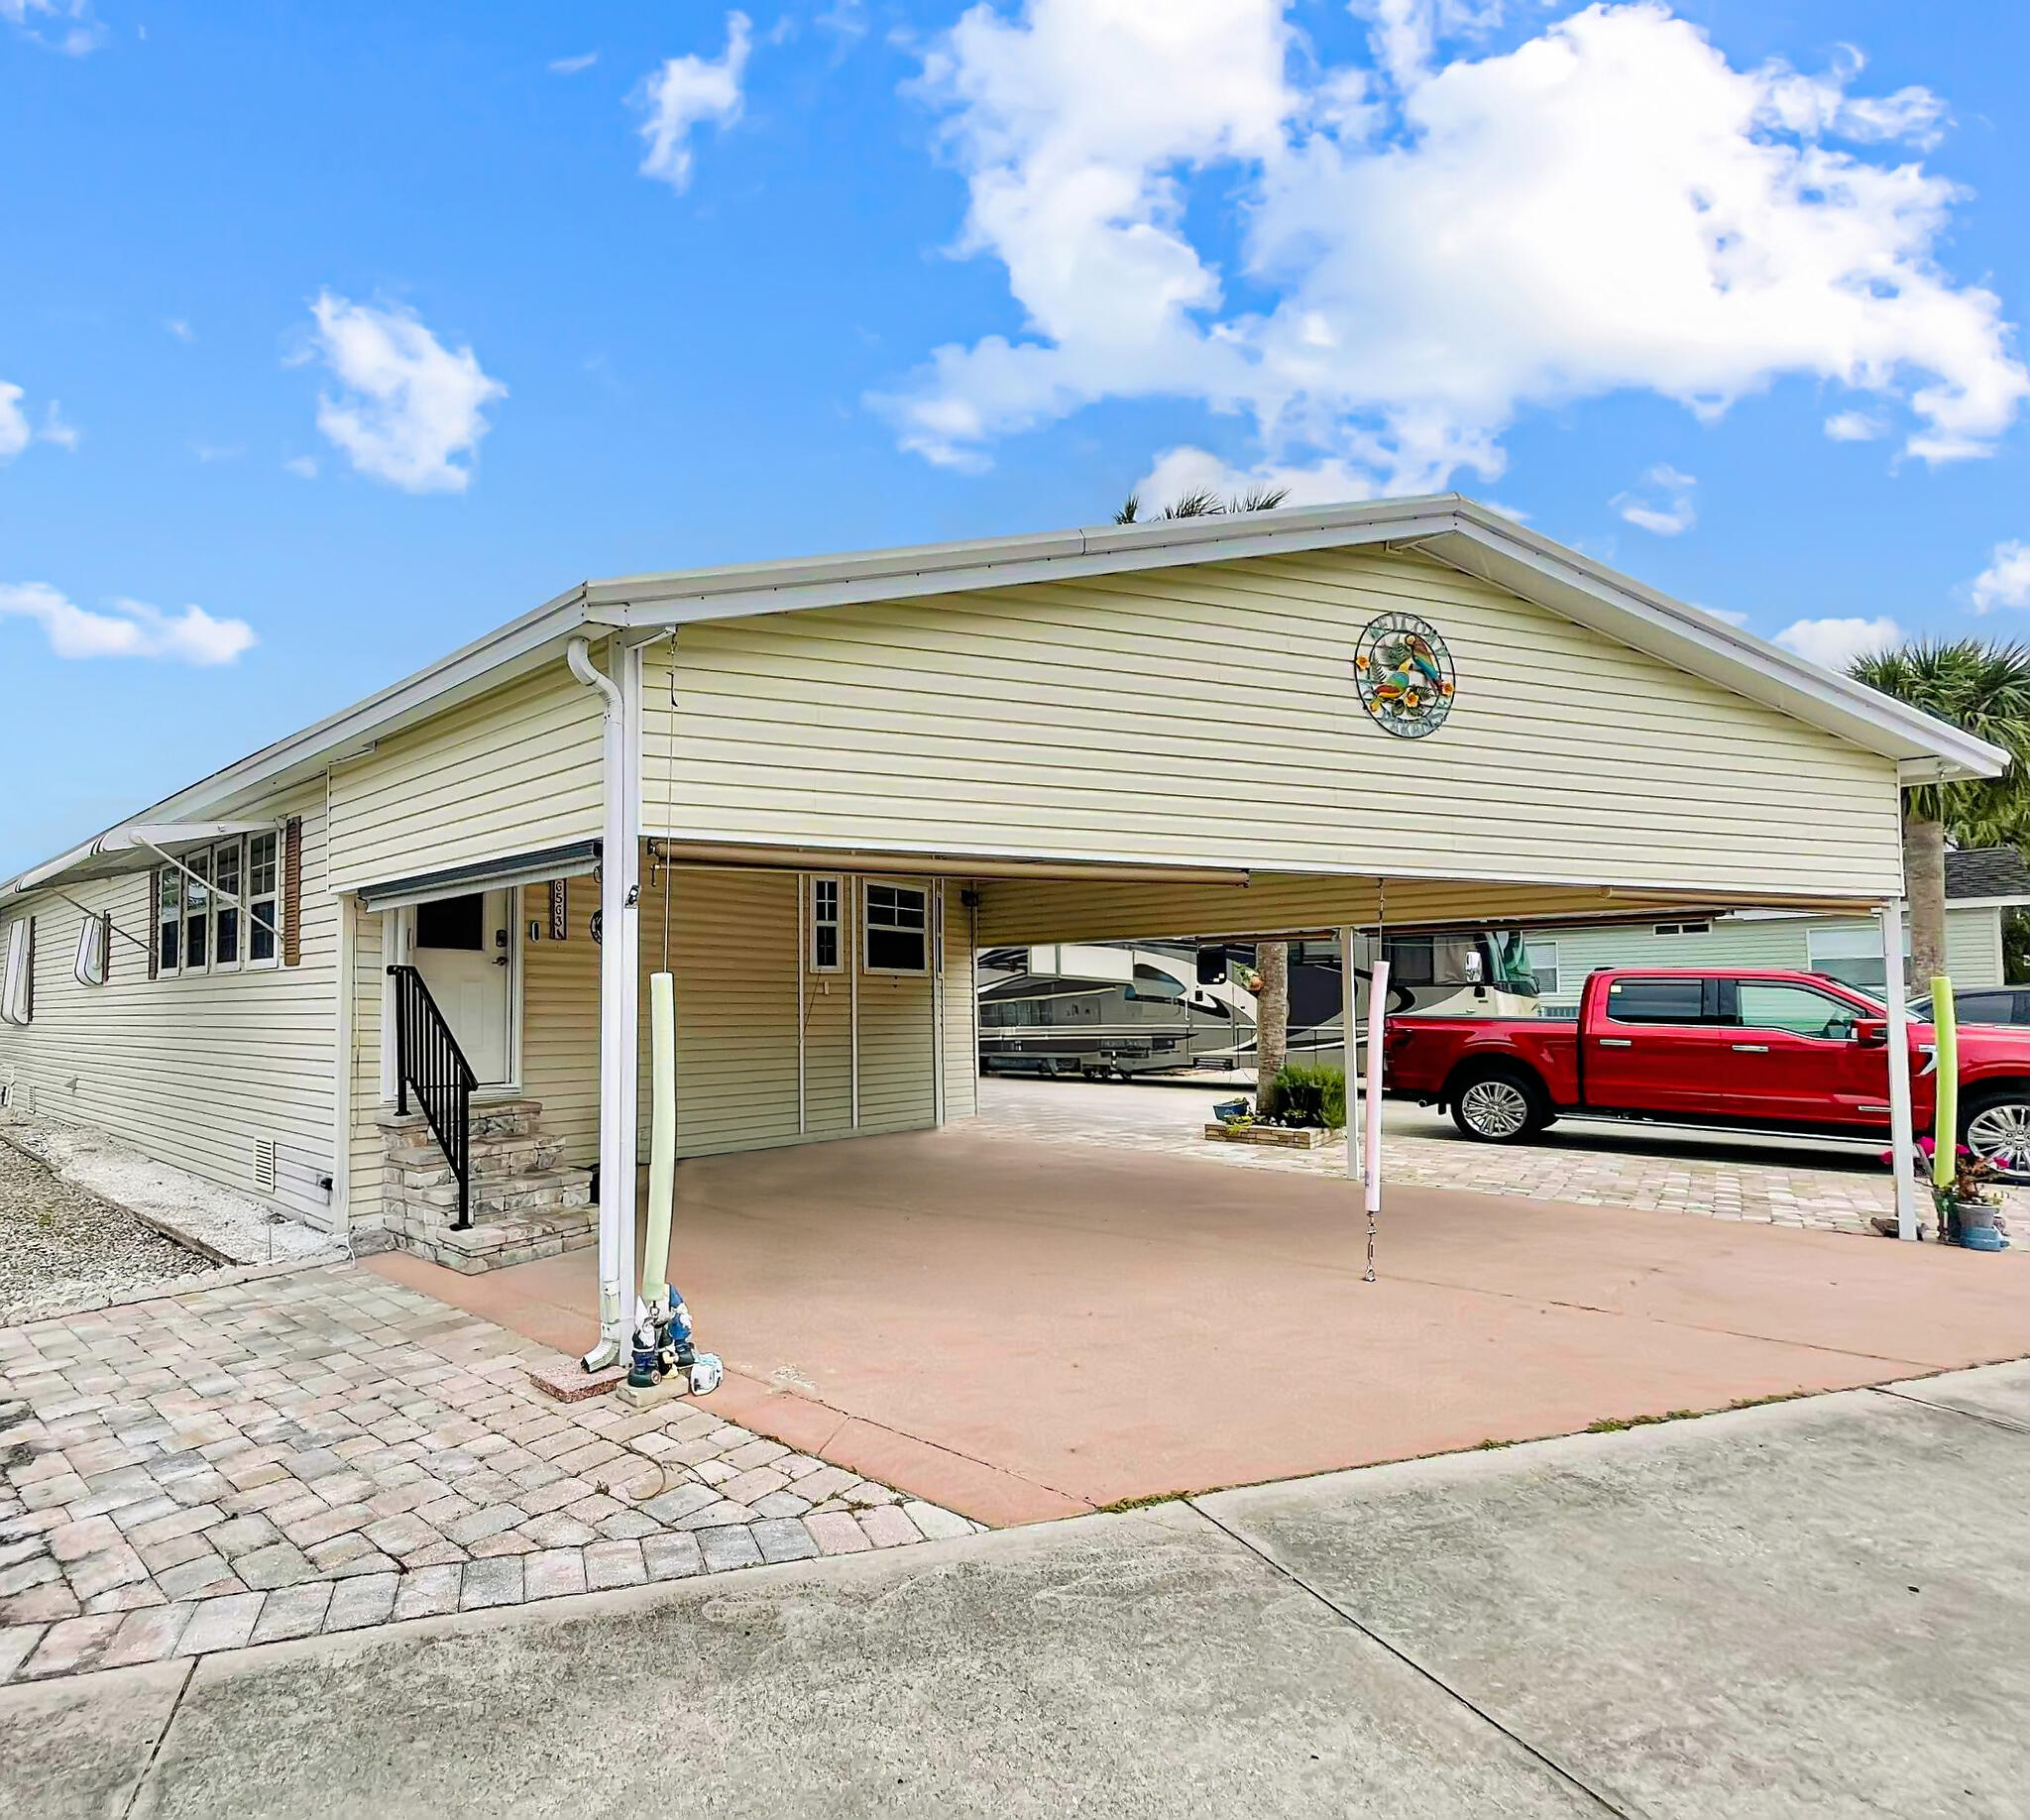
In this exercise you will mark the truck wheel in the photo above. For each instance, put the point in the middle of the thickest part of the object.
(1498, 1106)
(1997, 1128)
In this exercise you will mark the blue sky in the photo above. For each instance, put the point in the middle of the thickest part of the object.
(359, 331)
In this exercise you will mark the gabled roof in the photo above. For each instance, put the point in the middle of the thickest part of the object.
(1447, 527)
(1984, 872)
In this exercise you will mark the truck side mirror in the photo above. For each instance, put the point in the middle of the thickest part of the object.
(1212, 966)
(1871, 1032)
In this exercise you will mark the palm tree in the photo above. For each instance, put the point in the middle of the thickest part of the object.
(1984, 690)
(1203, 502)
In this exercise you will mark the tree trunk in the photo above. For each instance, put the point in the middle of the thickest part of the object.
(1272, 1019)
(1924, 879)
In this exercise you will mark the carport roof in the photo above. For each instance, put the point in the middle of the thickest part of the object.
(1446, 528)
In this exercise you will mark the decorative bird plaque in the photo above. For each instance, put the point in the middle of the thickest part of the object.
(1404, 675)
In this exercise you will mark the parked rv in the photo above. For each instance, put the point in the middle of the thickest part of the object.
(1114, 1010)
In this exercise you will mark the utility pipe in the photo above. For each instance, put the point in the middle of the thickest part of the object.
(616, 1141)
(1945, 1124)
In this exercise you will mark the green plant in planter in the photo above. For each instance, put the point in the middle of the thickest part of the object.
(1307, 1093)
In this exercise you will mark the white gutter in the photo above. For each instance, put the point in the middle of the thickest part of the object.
(618, 1063)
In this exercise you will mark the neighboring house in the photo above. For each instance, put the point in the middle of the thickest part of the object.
(1982, 883)
(819, 786)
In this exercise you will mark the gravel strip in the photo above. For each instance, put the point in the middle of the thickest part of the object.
(59, 1244)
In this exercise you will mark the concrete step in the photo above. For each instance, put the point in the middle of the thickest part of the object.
(494, 1158)
(497, 1245)
(490, 1118)
(551, 1189)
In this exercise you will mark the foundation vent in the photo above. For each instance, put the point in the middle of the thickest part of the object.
(263, 1164)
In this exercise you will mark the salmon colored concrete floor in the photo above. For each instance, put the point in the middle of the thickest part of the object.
(1022, 1330)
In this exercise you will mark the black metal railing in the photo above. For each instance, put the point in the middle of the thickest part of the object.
(428, 1059)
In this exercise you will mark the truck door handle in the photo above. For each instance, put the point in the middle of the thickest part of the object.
(1751, 1048)
(1617, 1043)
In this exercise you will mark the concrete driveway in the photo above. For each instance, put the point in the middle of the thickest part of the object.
(1810, 1609)
(1017, 1329)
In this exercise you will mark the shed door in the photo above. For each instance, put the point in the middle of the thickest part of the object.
(464, 950)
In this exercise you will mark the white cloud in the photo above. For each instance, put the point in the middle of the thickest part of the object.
(410, 405)
(56, 24)
(1835, 643)
(1855, 426)
(209, 452)
(686, 92)
(131, 630)
(1439, 243)
(177, 327)
(2005, 582)
(303, 467)
(1726, 612)
(14, 426)
(571, 66)
(1662, 503)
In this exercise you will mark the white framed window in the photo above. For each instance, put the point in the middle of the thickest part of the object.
(228, 915)
(220, 909)
(1543, 966)
(828, 925)
(197, 912)
(169, 928)
(262, 899)
(896, 929)
(1675, 928)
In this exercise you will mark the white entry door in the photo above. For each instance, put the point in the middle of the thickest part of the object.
(464, 948)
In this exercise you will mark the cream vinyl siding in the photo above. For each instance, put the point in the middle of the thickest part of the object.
(512, 772)
(1207, 716)
(189, 1069)
(961, 1008)
(736, 950)
(1095, 909)
(560, 1018)
(733, 951)
(367, 985)
(1974, 954)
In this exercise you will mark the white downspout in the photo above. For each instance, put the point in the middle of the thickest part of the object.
(616, 1128)
(1902, 1125)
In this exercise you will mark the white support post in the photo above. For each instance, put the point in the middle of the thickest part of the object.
(619, 984)
(347, 1071)
(1349, 1034)
(630, 662)
(1902, 1126)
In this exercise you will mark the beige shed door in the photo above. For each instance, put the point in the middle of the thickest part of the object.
(464, 950)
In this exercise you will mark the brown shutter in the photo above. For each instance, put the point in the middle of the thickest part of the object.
(292, 891)
(155, 922)
(31, 969)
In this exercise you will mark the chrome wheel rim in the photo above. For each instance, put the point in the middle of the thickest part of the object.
(1499, 1109)
(2001, 1135)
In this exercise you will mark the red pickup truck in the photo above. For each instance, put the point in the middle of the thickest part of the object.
(1753, 1049)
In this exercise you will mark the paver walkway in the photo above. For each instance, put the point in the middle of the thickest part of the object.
(1593, 1165)
(325, 1450)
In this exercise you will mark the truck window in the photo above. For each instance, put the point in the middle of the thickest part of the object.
(1799, 1010)
(1657, 1001)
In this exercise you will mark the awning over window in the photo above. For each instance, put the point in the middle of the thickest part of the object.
(133, 849)
(571, 861)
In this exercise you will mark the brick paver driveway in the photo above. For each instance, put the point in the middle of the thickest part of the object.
(1825, 1186)
(325, 1450)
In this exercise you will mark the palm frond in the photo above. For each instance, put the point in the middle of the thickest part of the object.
(1131, 510)
(1259, 499)
(1199, 502)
